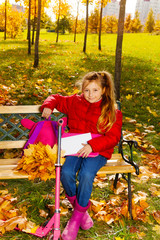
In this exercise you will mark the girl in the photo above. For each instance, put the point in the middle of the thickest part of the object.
(93, 111)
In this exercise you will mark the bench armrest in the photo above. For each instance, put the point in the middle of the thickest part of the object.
(129, 160)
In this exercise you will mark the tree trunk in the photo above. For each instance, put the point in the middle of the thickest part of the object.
(75, 31)
(58, 22)
(119, 48)
(36, 60)
(29, 28)
(86, 30)
(34, 23)
(100, 26)
(5, 27)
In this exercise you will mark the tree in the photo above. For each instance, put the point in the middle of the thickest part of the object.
(36, 60)
(86, 2)
(75, 30)
(111, 24)
(34, 21)
(14, 20)
(119, 48)
(127, 23)
(5, 28)
(80, 26)
(31, 12)
(157, 24)
(60, 9)
(29, 28)
(64, 24)
(150, 22)
(93, 21)
(102, 3)
(135, 25)
(46, 22)
(86, 28)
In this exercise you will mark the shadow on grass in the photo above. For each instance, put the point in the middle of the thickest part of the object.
(139, 80)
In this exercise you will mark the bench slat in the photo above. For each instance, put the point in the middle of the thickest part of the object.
(21, 109)
(10, 174)
(12, 144)
(116, 169)
(12, 161)
(115, 165)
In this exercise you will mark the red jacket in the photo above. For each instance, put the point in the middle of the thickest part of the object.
(82, 118)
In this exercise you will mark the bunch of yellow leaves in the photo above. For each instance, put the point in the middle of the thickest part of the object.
(12, 217)
(39, 161)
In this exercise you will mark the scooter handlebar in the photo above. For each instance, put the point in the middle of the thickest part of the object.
(60, 122)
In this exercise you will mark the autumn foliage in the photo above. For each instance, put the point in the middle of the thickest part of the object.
(12, 217)
(15, 20)
(39, 161)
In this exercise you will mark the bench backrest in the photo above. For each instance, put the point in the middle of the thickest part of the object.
(12, 133)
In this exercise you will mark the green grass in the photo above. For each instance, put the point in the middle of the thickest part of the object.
(65, 62)
(60, 65)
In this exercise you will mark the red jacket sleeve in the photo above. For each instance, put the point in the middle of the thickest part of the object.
(110, 139)
(61, 103)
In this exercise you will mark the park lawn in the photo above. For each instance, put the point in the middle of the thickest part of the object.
(60, 65)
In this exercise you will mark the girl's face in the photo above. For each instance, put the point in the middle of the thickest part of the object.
(93, 92)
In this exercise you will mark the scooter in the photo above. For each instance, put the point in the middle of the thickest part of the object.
(54, 223)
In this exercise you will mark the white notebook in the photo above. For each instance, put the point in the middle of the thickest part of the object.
(71, 145)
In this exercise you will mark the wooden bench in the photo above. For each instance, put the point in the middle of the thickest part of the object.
(14, 136)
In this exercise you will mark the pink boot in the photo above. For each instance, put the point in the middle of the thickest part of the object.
(87, 221)
(71, 230)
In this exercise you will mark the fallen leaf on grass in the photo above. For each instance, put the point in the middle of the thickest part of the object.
(156, 228)
(96, 206)
(51, 208)
(4, 192)
(31, 227)
(146, 174)
(139, 197)
(153, 161)
(120, 187)
(129, 97)
(12, 223)
(154, 191)
(141, 235)
(119, 238)
(133, 229)
(10, 216)
(101, 184)
(152, 112)
(63, 211)
(109, 218)
(43, 213)
(156, 215)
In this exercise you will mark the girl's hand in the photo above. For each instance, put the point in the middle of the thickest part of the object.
(46, 112)
(85, 151)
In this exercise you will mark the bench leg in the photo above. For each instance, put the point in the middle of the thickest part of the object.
(116, 180)
(129, 196)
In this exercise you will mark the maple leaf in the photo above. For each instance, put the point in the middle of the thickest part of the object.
(156, 215)
(96, 206)
(120, 187)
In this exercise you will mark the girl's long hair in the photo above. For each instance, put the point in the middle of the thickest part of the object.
(108, 105)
